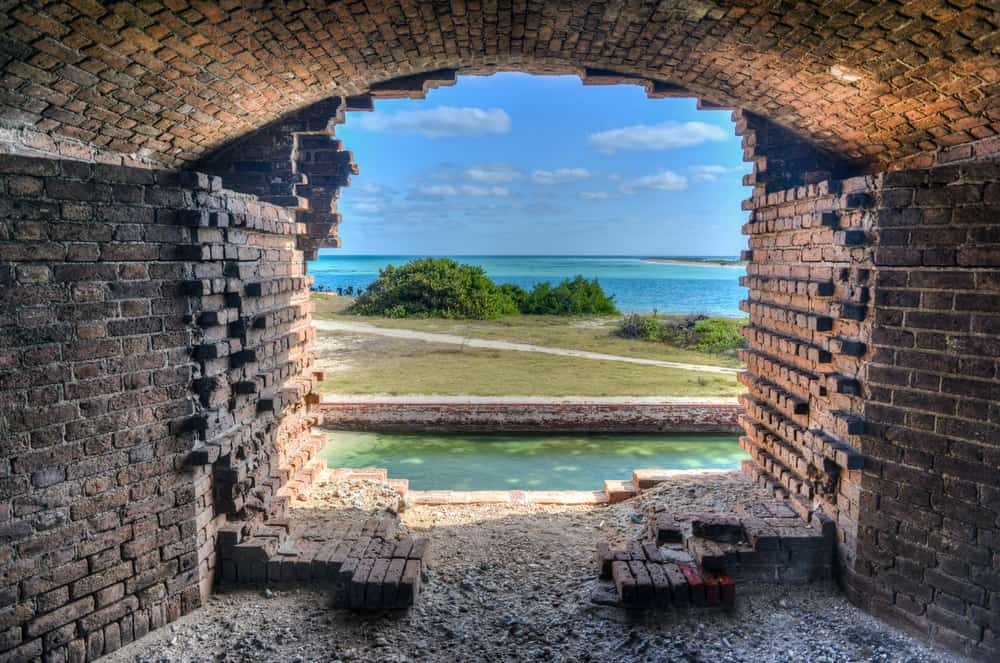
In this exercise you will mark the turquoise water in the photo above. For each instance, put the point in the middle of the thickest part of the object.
(637, 285)
(528, 462)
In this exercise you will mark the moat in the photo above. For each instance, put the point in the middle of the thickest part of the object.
(435, 461)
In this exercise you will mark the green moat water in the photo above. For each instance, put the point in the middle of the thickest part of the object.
(524, 461)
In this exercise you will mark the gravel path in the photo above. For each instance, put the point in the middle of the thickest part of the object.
(454, 339)
(513, 583)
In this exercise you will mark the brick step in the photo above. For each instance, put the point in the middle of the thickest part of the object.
(643, 479)
(646, 576)
(765, 540)
(796, 457)
(808, 304)
(794, 287)
(778, 471)
(401, 486)
(374, 473)
(800, 352)
(797, 381)
(367, 566)
(619, 490)
(790, 316)
(793, 407)
(413, 87)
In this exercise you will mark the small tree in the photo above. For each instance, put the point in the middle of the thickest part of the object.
(576, 296)
(434, 288)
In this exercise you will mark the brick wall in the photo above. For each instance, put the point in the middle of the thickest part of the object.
(153, 342)
(808, 280)
(872, 384)
(174, 81)
(929, 552)
(533, 417)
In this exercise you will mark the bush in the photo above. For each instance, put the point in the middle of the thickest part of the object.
(718, 334)
(443, 288)
(700, 332)
(434, 288)
(576, 296)
(634, 325)
(517, 294)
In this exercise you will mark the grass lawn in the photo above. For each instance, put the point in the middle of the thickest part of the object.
(591, 334)
(380, 365)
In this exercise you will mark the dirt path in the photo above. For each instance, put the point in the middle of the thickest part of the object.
(362, 328)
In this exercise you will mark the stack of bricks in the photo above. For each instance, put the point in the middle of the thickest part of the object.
(367, 565)
(766, 541)
(647, 576)
(696, 559)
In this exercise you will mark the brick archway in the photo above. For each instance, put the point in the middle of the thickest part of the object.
(155, 363)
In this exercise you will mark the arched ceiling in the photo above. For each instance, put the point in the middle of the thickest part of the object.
(172, 80)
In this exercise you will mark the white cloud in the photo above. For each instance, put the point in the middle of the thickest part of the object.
(493, 173)
(439, 122)
(597, 195)
(472, 190)
(663, 136)
(367, 198)
(665, 180)
(711, 173)
(449, 191)
(560, 176)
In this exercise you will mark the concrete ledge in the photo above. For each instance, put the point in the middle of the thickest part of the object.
(534, 416)
(568, 497)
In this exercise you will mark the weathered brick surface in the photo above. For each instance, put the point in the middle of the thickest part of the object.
(928, 549)
(108, 527)
(532, 417)
(173, 81)
(872, 374)
(155, 350)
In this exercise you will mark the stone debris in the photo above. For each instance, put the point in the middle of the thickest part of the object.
(515, 582)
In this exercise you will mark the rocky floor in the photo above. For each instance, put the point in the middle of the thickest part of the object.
(513, 583)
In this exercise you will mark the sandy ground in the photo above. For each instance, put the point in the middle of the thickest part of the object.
(454, 339)
(513, 583)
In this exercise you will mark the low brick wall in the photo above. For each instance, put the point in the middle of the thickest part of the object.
(534, 417)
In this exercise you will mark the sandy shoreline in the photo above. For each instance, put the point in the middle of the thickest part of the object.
(696, 263)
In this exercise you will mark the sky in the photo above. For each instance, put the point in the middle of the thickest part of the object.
(519, 164)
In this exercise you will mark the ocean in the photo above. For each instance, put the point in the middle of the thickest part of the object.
(638, 285)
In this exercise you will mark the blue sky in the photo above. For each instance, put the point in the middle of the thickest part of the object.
(519, 164)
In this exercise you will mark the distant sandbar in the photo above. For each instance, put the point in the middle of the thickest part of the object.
(707, 262)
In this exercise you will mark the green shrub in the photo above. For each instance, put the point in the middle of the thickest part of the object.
(699, 332)
(434, 288)
(634, 325)
(443, 288)
(576, 296)
(718, 335)
(517, 294)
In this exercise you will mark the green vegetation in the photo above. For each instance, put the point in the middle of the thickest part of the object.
(382, 365)
(592, 333)
(698, 332)
(444, 288)
(434, 288)
(576, 296)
